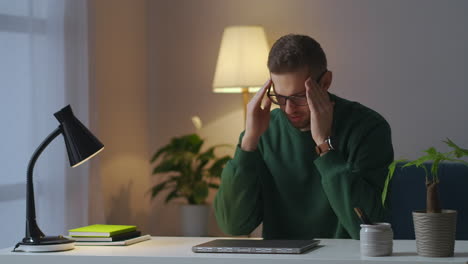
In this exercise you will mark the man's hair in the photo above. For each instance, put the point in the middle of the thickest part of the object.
(293, 52)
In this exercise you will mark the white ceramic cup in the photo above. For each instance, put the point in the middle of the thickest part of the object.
(376, 240)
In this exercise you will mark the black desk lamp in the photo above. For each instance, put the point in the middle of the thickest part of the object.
(81, 145)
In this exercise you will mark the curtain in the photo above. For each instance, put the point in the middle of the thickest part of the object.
(43, 67)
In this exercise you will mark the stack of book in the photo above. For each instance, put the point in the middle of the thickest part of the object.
(106, 235)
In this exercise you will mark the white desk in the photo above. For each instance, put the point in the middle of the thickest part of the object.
(161, 250)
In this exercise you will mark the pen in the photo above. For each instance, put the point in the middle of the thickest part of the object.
(364, 219)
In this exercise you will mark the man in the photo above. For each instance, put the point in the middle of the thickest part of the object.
(301, 169)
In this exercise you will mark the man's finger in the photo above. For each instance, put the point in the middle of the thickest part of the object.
(322, 91)
(257, 99)
(309, 96)
(322, 100)
(266, 104)
(311, 88)
(318, 100)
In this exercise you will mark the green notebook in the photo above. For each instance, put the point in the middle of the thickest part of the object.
(100, 230)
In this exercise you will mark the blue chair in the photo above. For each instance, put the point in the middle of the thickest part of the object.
(408, 193)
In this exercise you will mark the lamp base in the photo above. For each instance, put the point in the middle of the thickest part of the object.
(46, 244)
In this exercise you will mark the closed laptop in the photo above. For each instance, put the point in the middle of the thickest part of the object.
(256, 246)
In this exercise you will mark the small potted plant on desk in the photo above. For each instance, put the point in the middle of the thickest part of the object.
(434, 227)
(189, 173)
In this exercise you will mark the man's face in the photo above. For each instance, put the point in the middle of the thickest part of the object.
(293, 83)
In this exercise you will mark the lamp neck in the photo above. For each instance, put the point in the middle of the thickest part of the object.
(246, 99)
(32, 230)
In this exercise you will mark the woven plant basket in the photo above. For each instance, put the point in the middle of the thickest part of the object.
(435, 233)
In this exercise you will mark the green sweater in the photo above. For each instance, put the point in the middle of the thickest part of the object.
(296, 193)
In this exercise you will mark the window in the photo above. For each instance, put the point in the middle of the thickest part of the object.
(40, 42)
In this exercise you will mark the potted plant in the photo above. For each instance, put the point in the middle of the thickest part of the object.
(434, 227)
(189, 173)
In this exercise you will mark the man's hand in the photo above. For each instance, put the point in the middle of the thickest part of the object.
(321, 111)
(257, 118)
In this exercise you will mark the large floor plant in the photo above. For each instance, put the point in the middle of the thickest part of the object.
(188, 171)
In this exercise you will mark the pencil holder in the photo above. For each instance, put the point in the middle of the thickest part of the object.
(376, 240)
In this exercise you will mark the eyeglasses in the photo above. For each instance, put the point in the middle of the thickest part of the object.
(299, 100)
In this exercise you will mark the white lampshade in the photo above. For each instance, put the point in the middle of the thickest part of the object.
(242, 60)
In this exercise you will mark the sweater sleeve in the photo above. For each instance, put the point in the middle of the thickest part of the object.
(357, 181)
(238, 205)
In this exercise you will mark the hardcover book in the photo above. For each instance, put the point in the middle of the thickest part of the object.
(119, 237)
(101, 230)
(114, 243)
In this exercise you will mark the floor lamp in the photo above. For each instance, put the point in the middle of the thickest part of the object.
(242, 59)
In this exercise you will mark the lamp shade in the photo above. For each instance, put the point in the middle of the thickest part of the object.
(242, 60)
(81, 144)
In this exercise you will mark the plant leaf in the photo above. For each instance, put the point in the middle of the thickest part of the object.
(213, 185)
(183, 158)
(172, 195)
(200, 192)
(418, 162)
(391, 171)
(166, 166)
(207, 155)
(158, 188)
(431, 151)
(432, 155)
(459, 160)
(159, 152)
(459, 152)
(217, 167)
(218, 164)
(203, 159)
(191, 143)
